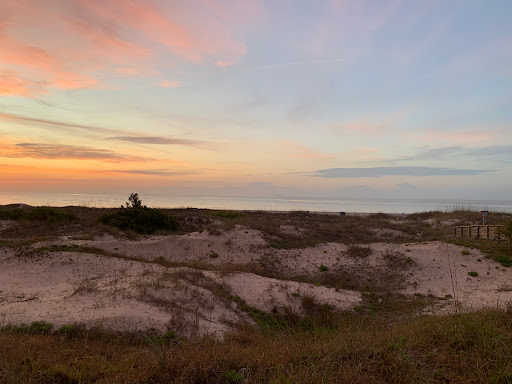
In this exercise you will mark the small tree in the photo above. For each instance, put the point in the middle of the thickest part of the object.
(139, 218)
(134, 202)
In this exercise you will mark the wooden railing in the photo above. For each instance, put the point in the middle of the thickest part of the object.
(487, 232)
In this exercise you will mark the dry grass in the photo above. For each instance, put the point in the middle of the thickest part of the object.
(472, 348)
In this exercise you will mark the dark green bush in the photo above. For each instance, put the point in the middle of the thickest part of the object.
(139, 218)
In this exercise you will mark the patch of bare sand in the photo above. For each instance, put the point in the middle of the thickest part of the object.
(442, 269)
(292, 230)
(240, 246)
(236, 246)
(272, 295)
(117, 294)
(65, 287)
(97, 290)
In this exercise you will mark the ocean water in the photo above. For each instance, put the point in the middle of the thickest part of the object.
(256, 203)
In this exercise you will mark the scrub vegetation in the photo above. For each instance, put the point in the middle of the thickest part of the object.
(384, 339)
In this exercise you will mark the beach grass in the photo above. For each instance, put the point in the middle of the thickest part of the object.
(459, 348)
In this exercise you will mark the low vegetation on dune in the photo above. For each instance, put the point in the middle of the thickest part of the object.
(37, 214)
(385, 336)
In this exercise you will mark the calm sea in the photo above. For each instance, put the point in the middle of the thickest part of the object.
(253, 203)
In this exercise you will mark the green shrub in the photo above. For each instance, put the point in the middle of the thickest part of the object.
(474, 274)
(139, 218)
(504, 260)
(323, 268)
(68, 330)
(232, 376)
(35, 328)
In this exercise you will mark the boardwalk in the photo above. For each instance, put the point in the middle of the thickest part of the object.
(487, 232)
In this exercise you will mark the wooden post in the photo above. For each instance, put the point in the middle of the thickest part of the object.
(488, 233)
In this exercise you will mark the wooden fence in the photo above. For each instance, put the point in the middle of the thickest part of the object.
(487, 232)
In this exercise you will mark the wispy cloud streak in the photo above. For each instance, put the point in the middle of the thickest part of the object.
(155, 172)
(156, 140)
(335, 173)
(498, 152)
(68, 152)
(60, 124)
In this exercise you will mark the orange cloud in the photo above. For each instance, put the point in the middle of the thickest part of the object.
(64, 152)
(12, 84)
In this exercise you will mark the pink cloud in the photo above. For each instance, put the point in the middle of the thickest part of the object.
(69, 44)
(167, 84)
(12, 84)
(223, 64)
(188, 31)
(127, 71)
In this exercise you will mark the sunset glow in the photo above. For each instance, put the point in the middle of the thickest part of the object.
(257, 98)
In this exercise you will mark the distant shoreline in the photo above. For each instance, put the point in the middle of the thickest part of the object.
(278, 204)
(327, 213)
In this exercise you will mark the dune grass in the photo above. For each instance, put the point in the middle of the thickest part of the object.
(37, 214)
(468, 348)
(376, 343)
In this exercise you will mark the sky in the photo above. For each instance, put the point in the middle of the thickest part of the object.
(327, 98)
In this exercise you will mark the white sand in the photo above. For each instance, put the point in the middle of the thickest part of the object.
(70, 287)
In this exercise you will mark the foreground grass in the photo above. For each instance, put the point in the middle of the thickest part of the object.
(470, 348)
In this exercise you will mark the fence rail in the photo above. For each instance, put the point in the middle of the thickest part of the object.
(487, 232)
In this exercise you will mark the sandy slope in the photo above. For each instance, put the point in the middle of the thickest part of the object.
(69, 287)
